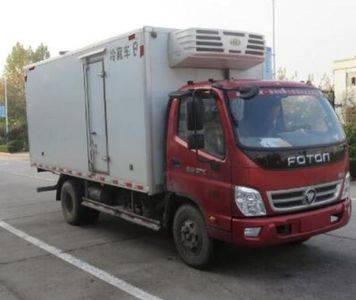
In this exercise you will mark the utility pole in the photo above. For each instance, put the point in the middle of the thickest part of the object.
(6, 110)
(274, 39)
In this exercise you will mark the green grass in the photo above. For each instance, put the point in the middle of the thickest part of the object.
(3, 148)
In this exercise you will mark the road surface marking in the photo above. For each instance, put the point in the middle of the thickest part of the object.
(98, 273)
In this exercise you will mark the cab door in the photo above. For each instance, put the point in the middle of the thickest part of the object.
(201, 175)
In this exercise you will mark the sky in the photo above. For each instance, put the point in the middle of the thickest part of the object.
(310, 34)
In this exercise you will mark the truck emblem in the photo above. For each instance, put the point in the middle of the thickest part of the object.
(235, 42)
(309, 159)
(310, 196)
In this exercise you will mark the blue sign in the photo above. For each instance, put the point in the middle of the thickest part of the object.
(267, 68)
(2, 111)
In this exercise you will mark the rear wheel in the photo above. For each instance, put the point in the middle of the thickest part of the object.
(74, 213)
(191, 238)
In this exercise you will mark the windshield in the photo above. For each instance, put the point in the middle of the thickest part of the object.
(284, 118)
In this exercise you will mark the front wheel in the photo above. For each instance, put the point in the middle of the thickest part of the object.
(191, 238)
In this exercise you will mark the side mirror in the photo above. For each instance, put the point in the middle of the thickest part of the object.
(196, 141)
(195, 114)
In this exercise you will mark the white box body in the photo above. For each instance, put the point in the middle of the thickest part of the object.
(100, 112)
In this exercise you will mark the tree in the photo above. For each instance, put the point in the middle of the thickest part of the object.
(15, 75)
(310, 79)
(15, 63)
(349, 98)
(325, 83)
(349, 105)
(282, 74)
(40, 53)
(294, 77)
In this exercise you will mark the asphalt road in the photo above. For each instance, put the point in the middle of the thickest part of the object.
(114, 251)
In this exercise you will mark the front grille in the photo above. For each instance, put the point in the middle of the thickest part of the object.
(295, 199)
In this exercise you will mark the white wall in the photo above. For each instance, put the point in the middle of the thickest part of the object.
(342, 71)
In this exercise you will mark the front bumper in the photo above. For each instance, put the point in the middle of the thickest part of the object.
(287, 228)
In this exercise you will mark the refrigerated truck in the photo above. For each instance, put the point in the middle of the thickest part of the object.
(176, 130)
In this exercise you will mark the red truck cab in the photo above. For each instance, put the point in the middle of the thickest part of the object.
(265, 162)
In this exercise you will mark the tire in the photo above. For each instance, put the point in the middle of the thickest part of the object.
(73, 212)
(194, 245)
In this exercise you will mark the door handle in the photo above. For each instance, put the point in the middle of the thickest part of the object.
(93, 133)
(176, 163)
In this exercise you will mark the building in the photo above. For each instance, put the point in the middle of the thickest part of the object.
(267, 68)
(345, 84)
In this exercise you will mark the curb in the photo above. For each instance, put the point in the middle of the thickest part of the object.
(5, 153)
(19, 155)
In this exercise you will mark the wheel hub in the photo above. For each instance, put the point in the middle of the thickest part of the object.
(189, 235)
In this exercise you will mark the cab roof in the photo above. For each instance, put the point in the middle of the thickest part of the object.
(231, 84)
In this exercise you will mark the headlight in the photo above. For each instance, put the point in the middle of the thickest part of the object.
(346, 188)
(249, 201)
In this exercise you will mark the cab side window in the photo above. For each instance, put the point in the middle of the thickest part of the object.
(212, 129)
